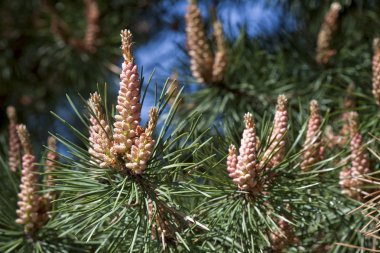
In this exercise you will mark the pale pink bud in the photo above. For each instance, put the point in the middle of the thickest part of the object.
(350, 177)
(142, 149)
(376, 70)
(100, 133)
(242, 169)
(313, 147)
(128, 108)
(276, 149)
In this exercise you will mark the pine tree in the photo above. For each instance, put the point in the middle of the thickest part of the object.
(277, 151)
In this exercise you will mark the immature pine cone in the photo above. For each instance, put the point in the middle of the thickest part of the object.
(128, 101)
(220, 61)
(142, 148)
(100, 133)
(313, 148)
(201, 59)
(326, 34)
(243, 169)
(376, 70)
(276, 149)
(13, 140)
(29, 202)
(350, 177)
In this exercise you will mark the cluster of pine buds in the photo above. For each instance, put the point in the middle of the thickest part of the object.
(245, 170)
(313, 148)
(351, 178)
(14, 142)
(248, 173)
(376, 70)
(326, 34)
(129, 142)
(205, 67)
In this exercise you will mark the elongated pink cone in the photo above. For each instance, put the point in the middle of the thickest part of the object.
(276, 150)
(142, 148)
(201, 59)
(350, 177)
(29, 203)
(326, 34)
(128, 101)
(50, 165)
(282, 238)
(313, 148)
(220, 60)
(13, 140)
(100, 134)
(376, 70)
(245, 172)
(232, 162)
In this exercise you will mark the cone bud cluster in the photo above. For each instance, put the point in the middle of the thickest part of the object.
(351, 176)
(247, 169)
(243, 168)
(326, 34)
(128, 146)
(100, 133)
(143, 145)
(376, 70)
(276, 149)
(313, 148)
